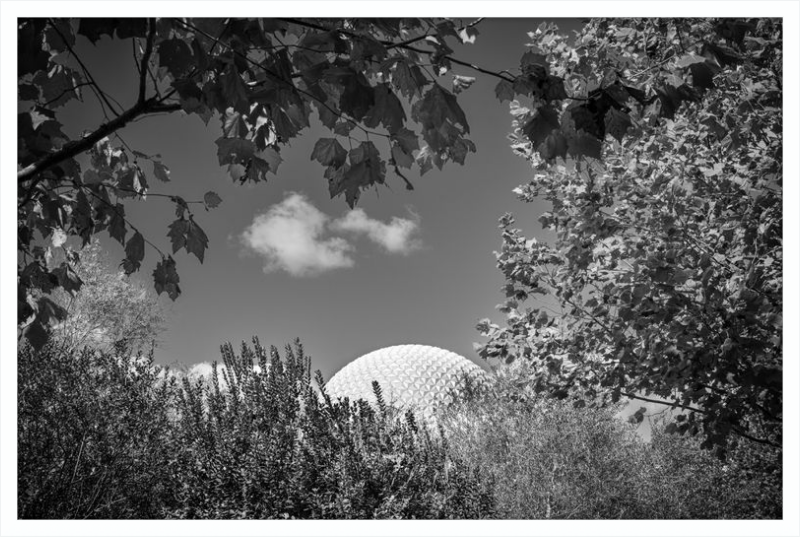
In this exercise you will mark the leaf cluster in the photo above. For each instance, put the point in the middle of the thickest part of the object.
(263, 79)
(665, 277)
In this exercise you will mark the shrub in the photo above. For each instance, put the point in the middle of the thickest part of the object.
(90, 435)
(271, 446)
(565, 459)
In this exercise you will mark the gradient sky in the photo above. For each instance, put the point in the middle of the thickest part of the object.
(408, 267)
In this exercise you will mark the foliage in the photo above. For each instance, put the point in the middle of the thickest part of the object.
(264, 79)
(111, 311)
(90, 435)
(270, 446)
(102, 436)
(552, 460)
(662, 162)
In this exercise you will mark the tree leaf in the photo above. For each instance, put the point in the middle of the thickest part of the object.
(439, 106)
(175, 55)
(468, 34)
(539, 127)
(387, 110)
(36, 333)
(177, 233)
(409, 80)
(582, 144)
(116, 227)
(212, 199)
(234, 150)
(401, 158)
(67, 278)
(504, 91)
(166, 279)
(196, 240)
(134, 253)
(95, 27)
(160, 171)
(617, 123)
(329, 152)
(257, 170)
(57, 85)
(234, 90)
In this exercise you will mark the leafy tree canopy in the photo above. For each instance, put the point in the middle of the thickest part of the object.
(658, 143)
(381, 87)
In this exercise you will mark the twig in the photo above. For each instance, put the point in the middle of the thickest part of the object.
(100, 92)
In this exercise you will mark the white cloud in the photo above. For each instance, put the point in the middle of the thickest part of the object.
(289, 237)
(296, 237)
(396, 237)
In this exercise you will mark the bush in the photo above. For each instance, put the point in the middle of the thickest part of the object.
(90, 435)
(564, 459)
(105, 436)
(271, 446)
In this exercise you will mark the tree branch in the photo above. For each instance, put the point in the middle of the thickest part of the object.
(76, 147)
(146, 60)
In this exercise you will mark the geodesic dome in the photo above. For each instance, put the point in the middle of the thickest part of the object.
(418, 377)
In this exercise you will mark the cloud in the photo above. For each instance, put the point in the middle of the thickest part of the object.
(396, 237)
(297, 238)
(289, 238)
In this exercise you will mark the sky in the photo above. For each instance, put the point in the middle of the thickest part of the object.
(285, 261)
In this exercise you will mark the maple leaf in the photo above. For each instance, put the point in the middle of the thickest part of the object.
(160, 171)
(504, 91)
(357, 95)
(409, 80)
(555, 145)
(196, 239)
(272, 156)
(329, 152)
(541, 124)
(387, 110)
(234, 150)
(134, 253)
(165, 278)
(175, 55)
(116, 227)
(211, 199)
(187, 234)
(534, 63)
(617, 123)
(441, 117)
(67, 278)
(96, 27)
(234, 90)
(131, 181)
(400, 157)
(703, 74)
(257, 169)
(57, 85)
(177, 233)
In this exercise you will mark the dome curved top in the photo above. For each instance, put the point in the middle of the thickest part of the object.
(411, 376)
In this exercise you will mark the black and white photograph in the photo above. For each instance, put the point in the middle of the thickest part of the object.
(452, 264)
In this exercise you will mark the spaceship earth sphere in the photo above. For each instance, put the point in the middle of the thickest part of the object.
(420, 377)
